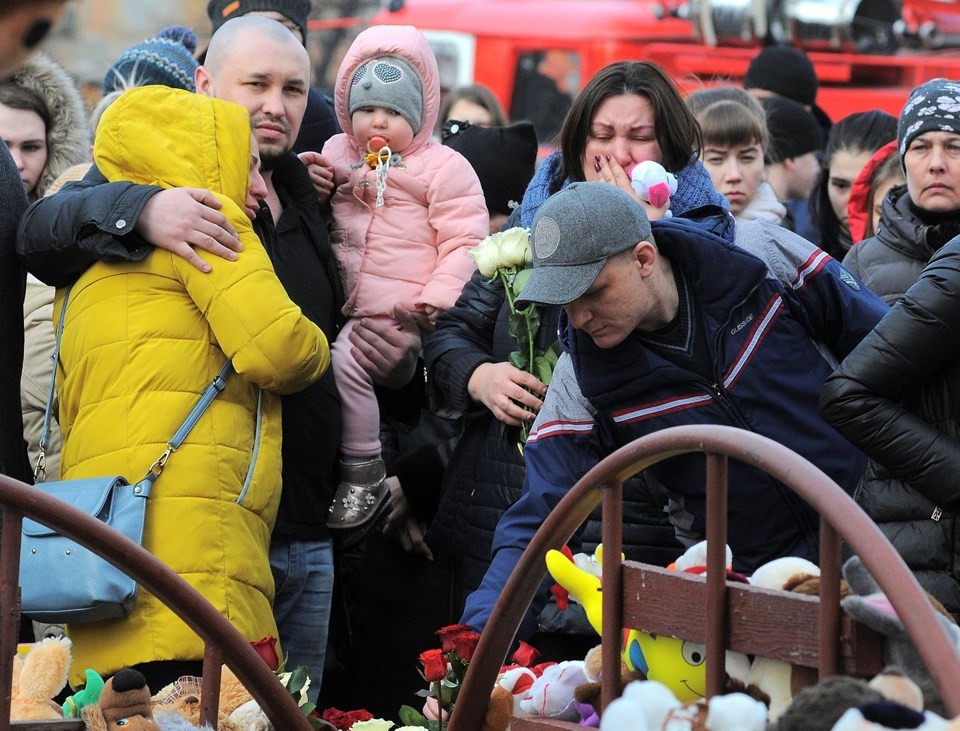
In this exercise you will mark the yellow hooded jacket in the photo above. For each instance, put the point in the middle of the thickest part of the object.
(140, 343)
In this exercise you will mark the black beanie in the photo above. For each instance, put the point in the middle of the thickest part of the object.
(786, 71)
(504, 159)
(220, 11)
(793, 131)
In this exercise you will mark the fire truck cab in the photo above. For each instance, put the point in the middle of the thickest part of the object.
(535, 55)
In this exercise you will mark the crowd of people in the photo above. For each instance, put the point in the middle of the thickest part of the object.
(363, 465)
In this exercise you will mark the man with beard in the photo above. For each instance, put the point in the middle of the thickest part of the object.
(257, 63)
(319, 121)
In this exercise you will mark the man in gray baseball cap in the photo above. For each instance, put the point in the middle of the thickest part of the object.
(669, 324)
(593, 248)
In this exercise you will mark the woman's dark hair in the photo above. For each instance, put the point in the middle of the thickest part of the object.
(477, 94)
(855, 133)
(15, 96)
(677, 131)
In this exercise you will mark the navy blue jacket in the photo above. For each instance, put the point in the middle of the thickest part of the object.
(778, 313)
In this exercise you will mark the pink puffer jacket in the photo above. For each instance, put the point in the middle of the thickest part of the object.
(413, 249)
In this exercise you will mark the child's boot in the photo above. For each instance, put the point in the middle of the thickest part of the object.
(361, 500)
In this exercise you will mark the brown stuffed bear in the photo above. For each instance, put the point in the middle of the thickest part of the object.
(124, 704)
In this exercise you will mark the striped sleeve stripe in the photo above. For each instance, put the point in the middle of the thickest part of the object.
(810, 267)
(557, 428)
(649, 411)
(750, 348)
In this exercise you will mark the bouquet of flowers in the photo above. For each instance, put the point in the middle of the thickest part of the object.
(506, 256)
(444, 670)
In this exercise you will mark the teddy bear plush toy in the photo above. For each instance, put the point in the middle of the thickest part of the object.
(183, 698)
(124, 704)
(38, 676)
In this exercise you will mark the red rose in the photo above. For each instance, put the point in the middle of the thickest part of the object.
(343, 720)
(465, 643)
(358, 715)
(525, 655)
(266, 648)
(449, 633)
(434, 665)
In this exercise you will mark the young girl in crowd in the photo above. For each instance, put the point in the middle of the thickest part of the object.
(734, 140)
(851, 142)
(405, 210)
(881, 173)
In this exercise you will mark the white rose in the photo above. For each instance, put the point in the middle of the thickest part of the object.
(285, 678)
(487, 255)
(514, 247)
(374, 724)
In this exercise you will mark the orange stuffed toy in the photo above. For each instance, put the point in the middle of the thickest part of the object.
(38, 676)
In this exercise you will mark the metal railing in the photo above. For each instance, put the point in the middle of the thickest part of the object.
(223, 643)
(840, 516)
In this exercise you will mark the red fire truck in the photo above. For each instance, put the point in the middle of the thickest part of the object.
(867, 53)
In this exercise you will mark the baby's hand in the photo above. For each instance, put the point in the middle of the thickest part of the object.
(432, 313)
(321, 174)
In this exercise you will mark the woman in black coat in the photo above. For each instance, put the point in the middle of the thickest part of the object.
(897, 398)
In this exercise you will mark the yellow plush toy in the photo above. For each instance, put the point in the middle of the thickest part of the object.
(676, 663)
(38, 675)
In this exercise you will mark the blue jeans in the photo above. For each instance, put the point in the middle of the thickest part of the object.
(303, 574)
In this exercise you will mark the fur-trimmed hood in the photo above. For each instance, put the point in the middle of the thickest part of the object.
(68, 137)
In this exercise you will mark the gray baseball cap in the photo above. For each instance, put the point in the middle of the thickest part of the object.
(574, 233)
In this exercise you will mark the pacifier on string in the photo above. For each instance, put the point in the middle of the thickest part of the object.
(378, 151)
(378, 157)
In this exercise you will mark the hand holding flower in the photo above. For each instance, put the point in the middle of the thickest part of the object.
(433, 712)
(506, 256)
(512, 395)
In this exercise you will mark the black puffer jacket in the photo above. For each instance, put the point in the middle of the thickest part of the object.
(897, 397)
(890, 262)
(486, 472)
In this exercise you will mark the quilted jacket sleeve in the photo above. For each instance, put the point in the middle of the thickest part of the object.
(256, 324)
(911, 347)
(462, 340)
(458, 213)
(91, 220)
(835, 307)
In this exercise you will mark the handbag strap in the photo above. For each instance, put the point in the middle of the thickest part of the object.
(215, 388)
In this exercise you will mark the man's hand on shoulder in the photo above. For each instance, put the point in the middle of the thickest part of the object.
(180, 219)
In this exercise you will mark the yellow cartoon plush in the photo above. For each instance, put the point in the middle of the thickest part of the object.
(38, 675)
(678, 664)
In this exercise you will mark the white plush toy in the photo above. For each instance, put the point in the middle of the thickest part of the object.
(778, 679)
(653, 183)
(650, 706)
(551, 695)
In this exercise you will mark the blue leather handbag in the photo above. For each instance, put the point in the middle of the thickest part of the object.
(60, 580)
(64, 582)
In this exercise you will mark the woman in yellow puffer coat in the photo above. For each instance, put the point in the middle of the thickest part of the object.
(142, 340)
